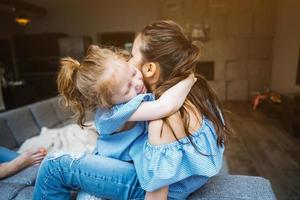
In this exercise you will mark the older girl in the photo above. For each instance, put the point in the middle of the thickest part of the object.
(185, 149)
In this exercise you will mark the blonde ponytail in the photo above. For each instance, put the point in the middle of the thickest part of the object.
(86, 86)
(67, 87)
(66, 77)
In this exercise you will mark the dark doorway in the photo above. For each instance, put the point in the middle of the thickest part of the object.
(207, 69)
(6, 59)
(117, 39)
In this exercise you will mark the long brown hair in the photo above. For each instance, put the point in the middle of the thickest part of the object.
(165, 43)
(87, 85)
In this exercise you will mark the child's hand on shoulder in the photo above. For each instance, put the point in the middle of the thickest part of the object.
(191, 79)
(192, 76)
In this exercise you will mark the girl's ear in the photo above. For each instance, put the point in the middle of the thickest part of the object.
(149, 69)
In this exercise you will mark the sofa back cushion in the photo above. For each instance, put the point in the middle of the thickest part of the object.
(62, 113)
(21, 123)
(44, 114)
(6, 138)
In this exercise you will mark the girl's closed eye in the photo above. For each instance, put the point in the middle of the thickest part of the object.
(134, 72)
(128, 89)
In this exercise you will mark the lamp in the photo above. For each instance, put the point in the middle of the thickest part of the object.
(22, 20)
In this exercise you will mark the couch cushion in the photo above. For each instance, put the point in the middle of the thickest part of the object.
(65, 123)
(235, 187)
(224, 170)
(25, 194)
(44, 114)
(61, 111)
(22, 124)
(7, 139)
(24, 177)
(10, 190)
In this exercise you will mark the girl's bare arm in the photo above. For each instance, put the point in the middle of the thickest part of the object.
(169, 102)
(160, 194)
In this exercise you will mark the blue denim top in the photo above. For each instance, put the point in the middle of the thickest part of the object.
(112, 143)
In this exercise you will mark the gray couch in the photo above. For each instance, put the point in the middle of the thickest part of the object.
(25, 122)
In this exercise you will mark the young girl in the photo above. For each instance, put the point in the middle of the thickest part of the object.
(106, 82)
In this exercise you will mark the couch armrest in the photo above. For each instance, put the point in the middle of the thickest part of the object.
(25, 177)
(235, 187)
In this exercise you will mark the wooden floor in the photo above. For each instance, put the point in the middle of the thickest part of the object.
(263, 148)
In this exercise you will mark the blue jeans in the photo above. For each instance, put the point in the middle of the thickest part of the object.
(7, 155)
(99, 176)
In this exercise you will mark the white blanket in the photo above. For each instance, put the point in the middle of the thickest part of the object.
(70, 138)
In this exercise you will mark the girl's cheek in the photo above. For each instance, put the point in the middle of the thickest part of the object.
(140, 75)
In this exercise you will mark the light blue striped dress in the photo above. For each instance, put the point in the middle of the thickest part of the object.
(179, 164)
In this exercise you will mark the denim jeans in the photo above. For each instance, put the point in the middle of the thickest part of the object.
(99, 176)
(7, 155)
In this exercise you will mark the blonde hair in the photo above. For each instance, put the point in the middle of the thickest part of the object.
(87, 85)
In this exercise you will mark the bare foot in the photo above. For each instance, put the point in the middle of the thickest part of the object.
(28, 158)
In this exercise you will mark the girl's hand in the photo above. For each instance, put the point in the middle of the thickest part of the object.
(192, 78)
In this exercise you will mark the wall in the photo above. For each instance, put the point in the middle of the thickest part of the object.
(8, 26)
(241, 32)
(89, 17)
(241, 41)
(286, 47)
